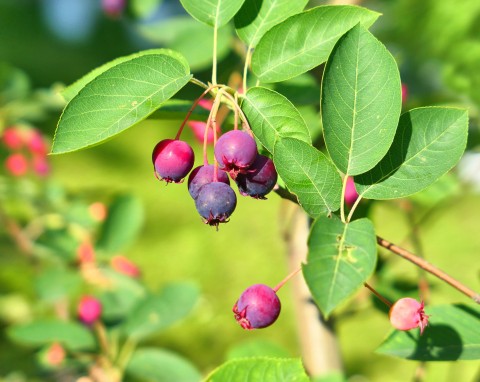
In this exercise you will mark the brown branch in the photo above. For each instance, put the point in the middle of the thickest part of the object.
(425, 265)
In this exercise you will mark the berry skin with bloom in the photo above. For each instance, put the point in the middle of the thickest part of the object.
(215, 202)
(235, 152)
(89, 310)
(259, 180)
(172, 160)
(407, 313)
(257, 307)
(202, 175)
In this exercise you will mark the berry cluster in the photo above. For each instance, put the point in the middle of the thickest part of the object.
(27, 151)
(236, 157)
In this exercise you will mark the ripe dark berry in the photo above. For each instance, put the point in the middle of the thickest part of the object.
(172, 160)
(259, 180)
(257, 307)
(235, 151)
(215, 202)
(202, 175)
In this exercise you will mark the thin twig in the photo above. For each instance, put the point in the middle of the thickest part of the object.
(429, 268)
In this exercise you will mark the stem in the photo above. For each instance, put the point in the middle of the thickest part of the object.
(352, 210)
(380, 297)
(191, 110)
(102, 337)
(202, 84)
(214, 62)
(342, 201)
(126, 353)
(245, 68)
(419, 262)
(282, 283)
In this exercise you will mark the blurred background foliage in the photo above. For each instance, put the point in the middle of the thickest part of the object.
(47, 44)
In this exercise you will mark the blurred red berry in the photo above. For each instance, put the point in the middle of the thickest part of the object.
(407, 313)
(206, 104)
(86, 253)
(12, 138)
(123, 265)
(89, 310)
(404, 93)
(36, 143)
(113, 8)
(351, 194)
(55, 354)
(41, 165)
(16, 164)
(98, 211)
(198, 129)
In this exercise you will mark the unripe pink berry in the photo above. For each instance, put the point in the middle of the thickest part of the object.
(198, 129)
(351, 194)
(41, 165)
(404, 93)
(35, 142)
(123, 265)
(55, 354)
(17, 164)
(407, 313)
(86, 253)
(98, 211)
(89, 310)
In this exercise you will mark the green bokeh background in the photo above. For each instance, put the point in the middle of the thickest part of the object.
(437, 45)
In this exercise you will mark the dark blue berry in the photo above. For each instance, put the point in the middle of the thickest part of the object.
(202, 175)
(259, 180)
(215, 202)
(235, 151)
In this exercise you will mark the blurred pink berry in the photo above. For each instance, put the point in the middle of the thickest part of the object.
(98, 211)
(89, 310)
(407, 313)
(41, 165)
(198, 129)
(85, 253)
(16, 164)
(206, 103)
(36, 143)
(113, 8)
(351, 194)
(123, 265)
(404, 93)
(55, 354)
(12, 138)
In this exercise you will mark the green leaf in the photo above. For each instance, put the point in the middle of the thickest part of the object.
(309, 175)
(174, 109)
(341, 257)
(74, 336)
(177, 32)
(452, 334)
(55, 283)
(117, 99)
(428, 143)
(304, 41)
(71, 91)
(215, 13)
(257, 16)
(260, 369)
(361, 101)
(144, 8)
(159, 365)
(122, 295)
(301, 90)
(271, 116)
(158, 311)
(123, 224)
(257, 348)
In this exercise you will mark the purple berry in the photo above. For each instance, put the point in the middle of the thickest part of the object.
(172, 160)
(202, 175)
(257, 307)
(259, 180)
(215, 202)
(235, 151)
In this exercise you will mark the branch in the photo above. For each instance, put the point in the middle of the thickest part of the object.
(425, 265)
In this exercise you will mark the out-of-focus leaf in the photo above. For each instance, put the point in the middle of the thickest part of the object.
(159, 365)
(55, 283)
(257, 348)
(122, 226)
(144, 8)
(215, 13)
(74, 336)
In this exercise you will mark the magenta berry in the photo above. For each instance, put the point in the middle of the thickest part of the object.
(235, 151)
(89, 310)
(259, 180)
(215, 202)
(202, 175)
(408, 313)
(257, 307)
(351, 194)
(172, 160)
